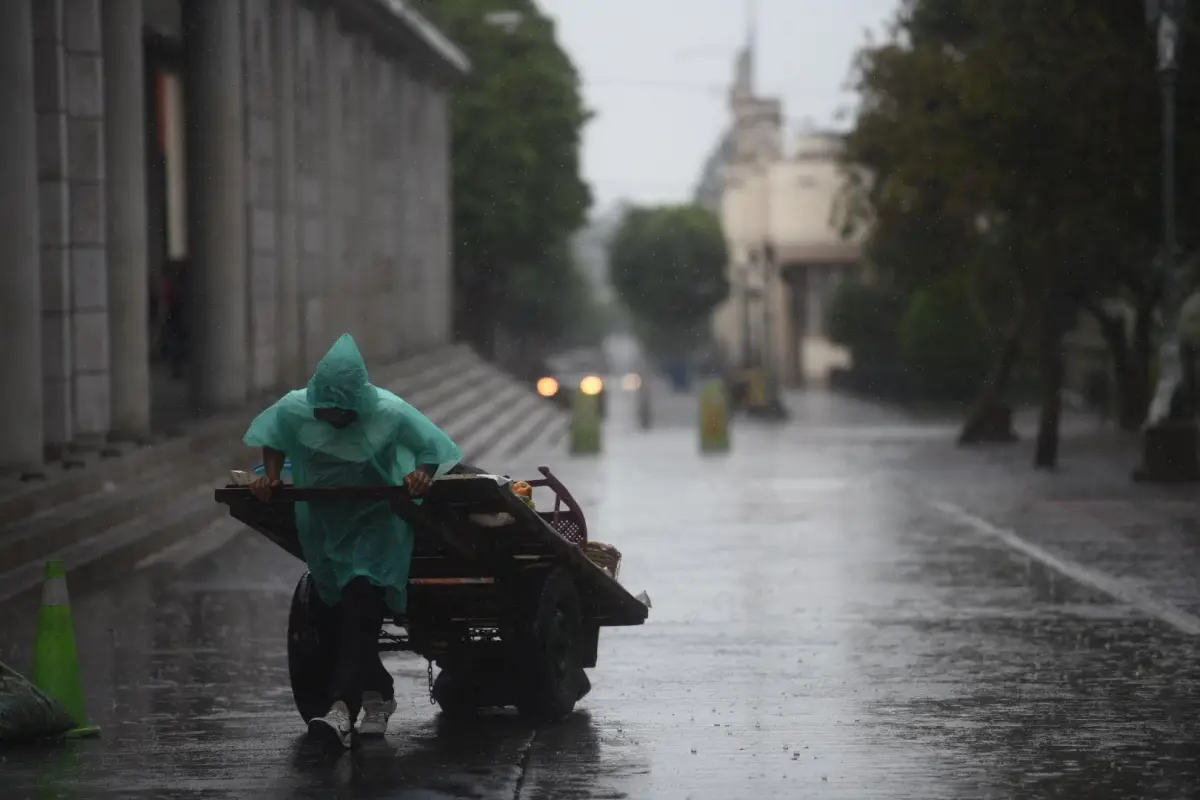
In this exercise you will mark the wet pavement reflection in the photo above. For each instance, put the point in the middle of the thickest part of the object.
(816, 631)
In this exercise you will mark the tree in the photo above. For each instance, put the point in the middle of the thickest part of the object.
(1021, 140)
(668, 267)
(941, 342)
(865, 318)
(550, 304)
(517, 124)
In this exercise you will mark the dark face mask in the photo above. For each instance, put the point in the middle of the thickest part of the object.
(337, 417)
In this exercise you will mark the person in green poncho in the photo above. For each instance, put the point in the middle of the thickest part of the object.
(343, 431)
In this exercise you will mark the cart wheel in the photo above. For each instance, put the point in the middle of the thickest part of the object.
(453, 694)
(552, 649)
(311, 650)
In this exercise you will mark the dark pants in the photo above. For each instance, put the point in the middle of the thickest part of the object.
(358, 667)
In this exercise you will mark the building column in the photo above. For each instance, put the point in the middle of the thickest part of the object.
(291, 369)
(336, 296)
(125, 160)
(91, 381)
(444, 224)
(53, 171)
(217, 202)
(20, 279)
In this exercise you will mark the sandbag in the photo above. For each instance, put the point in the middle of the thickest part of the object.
(26, 712)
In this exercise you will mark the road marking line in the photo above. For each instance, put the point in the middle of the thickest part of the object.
(1115, 588)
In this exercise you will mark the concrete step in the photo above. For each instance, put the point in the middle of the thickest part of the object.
(430, 379)
(35, 538)
(505, 413)
(103, 556)
(135, 513)
(548, 440)
(471, 397)
(495, 400)
(462, 379)
(542, 415)
(19, 501)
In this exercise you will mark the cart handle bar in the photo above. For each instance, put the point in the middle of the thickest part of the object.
(333, 494)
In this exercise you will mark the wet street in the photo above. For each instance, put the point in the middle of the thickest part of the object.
(824, 624)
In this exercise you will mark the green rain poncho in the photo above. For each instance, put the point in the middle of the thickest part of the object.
(388, 441)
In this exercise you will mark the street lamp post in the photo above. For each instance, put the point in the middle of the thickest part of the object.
(1170, 437)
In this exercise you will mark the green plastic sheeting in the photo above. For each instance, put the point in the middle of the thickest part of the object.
(387, 441)
(27, 713)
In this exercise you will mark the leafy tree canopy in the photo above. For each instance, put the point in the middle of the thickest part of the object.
(518, 120)
(668, 265)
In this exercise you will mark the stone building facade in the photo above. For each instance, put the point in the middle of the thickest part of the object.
(286, 161)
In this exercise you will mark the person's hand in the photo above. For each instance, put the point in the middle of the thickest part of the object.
(262, 487)
(418, 482)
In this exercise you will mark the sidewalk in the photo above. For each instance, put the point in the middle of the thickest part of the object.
(1090, 512)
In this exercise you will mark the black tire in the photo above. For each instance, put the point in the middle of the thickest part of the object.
(312, 648)
(453, 695)
(550, 651)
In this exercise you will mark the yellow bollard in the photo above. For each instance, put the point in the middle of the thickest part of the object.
(714, 419)
(55, 659)
(585, 423)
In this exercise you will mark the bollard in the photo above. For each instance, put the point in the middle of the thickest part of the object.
(714, 419)
(585, 424)
(55, 658)
(644, 407)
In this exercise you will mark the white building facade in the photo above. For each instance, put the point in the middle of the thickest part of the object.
(778, 207)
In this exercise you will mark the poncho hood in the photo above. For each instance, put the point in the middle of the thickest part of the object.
(340, 380)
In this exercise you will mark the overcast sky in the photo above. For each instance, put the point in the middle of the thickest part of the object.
(656, 72)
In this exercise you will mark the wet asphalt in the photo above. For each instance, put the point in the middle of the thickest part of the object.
(817, 630)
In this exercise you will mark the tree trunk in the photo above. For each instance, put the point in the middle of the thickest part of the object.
(976, 427)
(1131, 408)
(1051, 357)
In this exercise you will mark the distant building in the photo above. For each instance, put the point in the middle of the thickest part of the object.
(274, 172)
(783, 201)
(712, 178)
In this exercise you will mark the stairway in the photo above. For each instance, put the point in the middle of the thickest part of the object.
(115, 511)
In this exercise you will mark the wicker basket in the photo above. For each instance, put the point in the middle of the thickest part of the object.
(604, 556)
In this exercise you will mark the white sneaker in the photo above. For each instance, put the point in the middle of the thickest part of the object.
(375, 714)
(334, 726)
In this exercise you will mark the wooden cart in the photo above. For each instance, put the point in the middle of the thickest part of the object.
(501, 597)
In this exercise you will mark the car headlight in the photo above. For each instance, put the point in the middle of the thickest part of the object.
(547, 387)
(591, 385)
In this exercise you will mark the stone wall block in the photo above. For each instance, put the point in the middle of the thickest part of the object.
(85, 148)
(81, 25)
(49, 76)
(56, 280)
(53, 213)
(56, 356)
(262, 183)
(52, 146)
(87, 223)
(85, 85)
(261, 133)
(47, 20)
(89, 277)
(90, 341)
(92, 404)
(263, 231)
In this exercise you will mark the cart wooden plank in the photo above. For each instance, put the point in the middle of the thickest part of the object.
(449, 544)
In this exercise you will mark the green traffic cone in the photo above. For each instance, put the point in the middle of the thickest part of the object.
(714, 419)
(55, 659)
(585, 424)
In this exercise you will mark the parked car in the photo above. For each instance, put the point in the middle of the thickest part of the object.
(582, 370)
